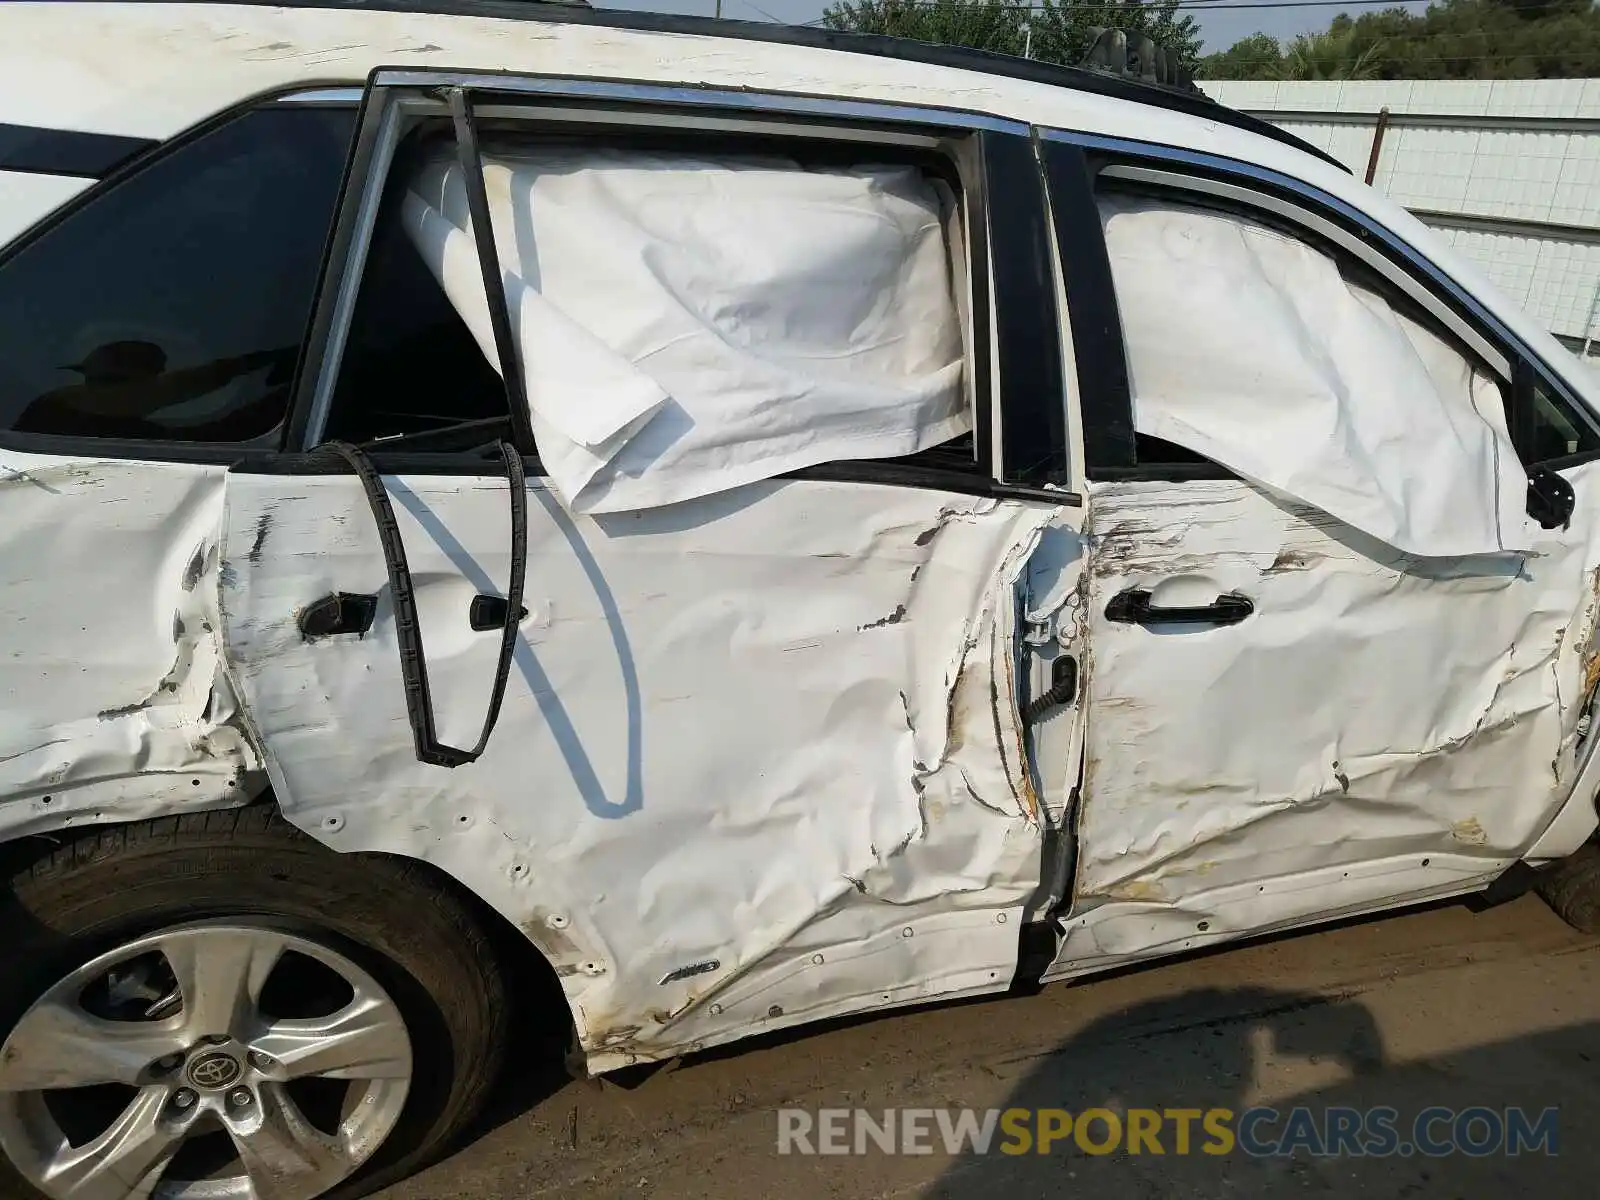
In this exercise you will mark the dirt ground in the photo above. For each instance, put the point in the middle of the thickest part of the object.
(1438, 1007)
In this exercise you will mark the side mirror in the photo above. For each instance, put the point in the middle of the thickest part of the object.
(1550, 498)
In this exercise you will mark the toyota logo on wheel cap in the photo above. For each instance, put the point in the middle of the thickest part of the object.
(214, 1070)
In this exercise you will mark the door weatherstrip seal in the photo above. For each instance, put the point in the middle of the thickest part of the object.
(408, 628)
(494, 291)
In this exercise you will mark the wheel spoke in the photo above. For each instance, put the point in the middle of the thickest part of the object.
(123, 1163)
(364, 1040)
(220, 973)
(58, 1045)
(285, 1156)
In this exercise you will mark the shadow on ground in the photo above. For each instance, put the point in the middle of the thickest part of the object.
(1354, 1016)
(1222, 1048)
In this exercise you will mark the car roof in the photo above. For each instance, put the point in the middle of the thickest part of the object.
(151, 71)
(62, 62)
(1187, 99)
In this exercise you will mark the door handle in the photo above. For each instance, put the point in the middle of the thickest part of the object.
(491, 612)
(1133, 607)
(338, 613)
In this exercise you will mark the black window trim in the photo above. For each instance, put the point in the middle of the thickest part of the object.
(75, 153)
(1272, 193)
(1032, 403)
(395, 92)
(311, 95)
(1105, 407)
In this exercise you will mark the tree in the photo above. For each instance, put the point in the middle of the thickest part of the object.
(1534, 10)
(1453, 39)
(982, 24)
(1059, 28)
(1333, 54)
(1255, 57)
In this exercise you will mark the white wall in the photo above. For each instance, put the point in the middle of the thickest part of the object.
(1509, 170)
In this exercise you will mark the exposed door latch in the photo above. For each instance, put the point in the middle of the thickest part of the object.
(1039, 631)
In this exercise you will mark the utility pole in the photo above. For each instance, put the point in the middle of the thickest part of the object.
(1588, 328)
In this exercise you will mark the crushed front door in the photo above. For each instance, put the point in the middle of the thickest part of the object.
(1288, 719)
(1352, 678)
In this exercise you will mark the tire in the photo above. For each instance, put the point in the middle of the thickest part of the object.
(419, 942)
(1572, 888)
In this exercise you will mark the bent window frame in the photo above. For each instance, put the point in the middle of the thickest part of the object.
(1263, 193)
(1019, 429)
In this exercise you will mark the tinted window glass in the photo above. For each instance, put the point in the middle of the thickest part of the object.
(173, 307)
(410, 365)
(1551, 430)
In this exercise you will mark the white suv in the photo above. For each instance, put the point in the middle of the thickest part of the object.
(755, 523)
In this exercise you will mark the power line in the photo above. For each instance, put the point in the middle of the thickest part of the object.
(1375, 79)
(1207, 5)
(1213, 5)
(1210, 6)
(1216, 5)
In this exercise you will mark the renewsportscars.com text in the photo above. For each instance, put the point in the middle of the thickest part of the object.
(1262, 1131)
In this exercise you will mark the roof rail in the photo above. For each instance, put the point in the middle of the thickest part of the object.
(1097, 79)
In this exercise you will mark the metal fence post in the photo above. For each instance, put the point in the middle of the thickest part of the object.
(1588, 325)
(1377, 143)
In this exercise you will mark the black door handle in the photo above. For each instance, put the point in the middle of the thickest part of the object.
(1133, 607)
(491, 612)
(341, 612)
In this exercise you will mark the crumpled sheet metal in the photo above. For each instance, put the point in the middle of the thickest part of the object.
(1375, 706)
(747, 772)
(111, 702)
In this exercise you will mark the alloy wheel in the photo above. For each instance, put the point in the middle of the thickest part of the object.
(205, 1062)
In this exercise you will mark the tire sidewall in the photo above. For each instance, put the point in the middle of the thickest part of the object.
(363, 907)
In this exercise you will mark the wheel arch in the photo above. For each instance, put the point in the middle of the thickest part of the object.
(530, 972)
(528, 966)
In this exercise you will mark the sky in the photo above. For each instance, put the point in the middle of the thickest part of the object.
(1221, 22)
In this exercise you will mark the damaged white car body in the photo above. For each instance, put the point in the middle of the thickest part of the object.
(855, 517)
